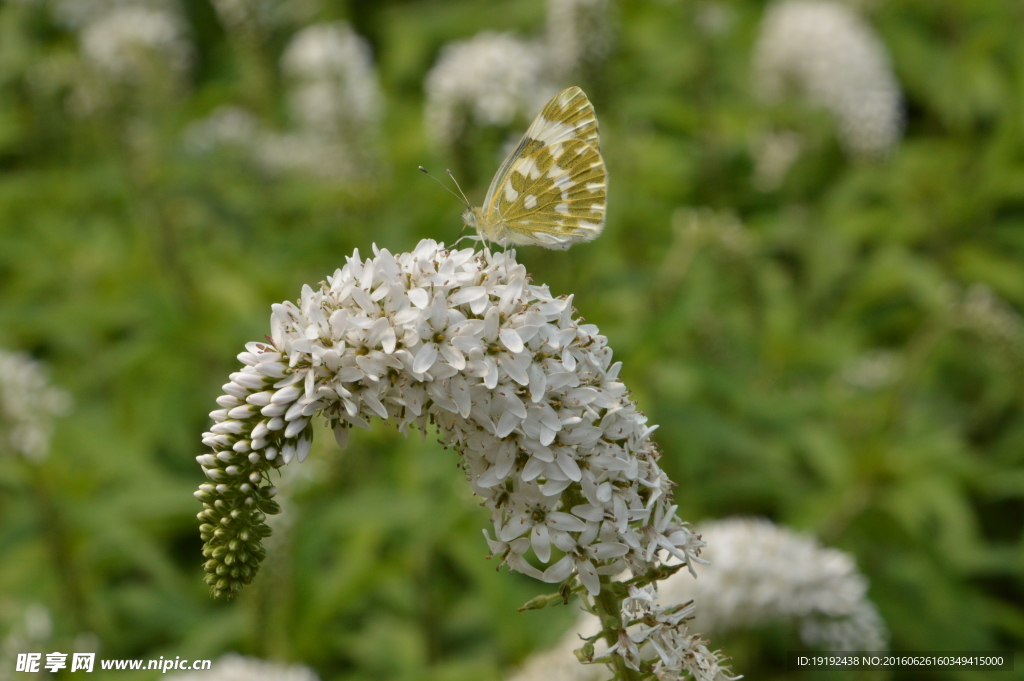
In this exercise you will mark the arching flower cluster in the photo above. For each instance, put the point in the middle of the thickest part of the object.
(524, 392)
(28, 406)
(838, 62)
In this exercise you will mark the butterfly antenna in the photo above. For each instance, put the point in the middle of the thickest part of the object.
(464, 199)
(460, 198)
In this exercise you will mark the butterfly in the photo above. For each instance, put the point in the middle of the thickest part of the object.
(551, 189)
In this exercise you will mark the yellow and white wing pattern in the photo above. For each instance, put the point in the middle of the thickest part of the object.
(550, 191)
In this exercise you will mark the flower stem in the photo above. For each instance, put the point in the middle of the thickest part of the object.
(608, 607)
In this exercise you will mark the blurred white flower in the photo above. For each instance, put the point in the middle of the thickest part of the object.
(236, 14)
(527, 395)
(761, 573)
(121, 42)
(293, 152)
(714, 17)
(579, 34)
(75, 14)
(332, 82)
(490, 79)
(981, 310)
(874, 370)
(28, 405)
(774, 154)
(234, 667)
(559, 663)
(335, 103)
(225, 125)
(758, 573)
(835, 59)
(26, 628)
(38, 623)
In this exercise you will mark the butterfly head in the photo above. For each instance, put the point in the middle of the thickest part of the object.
(471, 217)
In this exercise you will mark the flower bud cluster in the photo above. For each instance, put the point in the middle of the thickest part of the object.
(258, 428)
(460, 340)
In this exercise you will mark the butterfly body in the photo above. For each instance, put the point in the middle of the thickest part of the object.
(551, 190)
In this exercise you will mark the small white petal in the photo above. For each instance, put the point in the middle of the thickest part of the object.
(288, 452)
(532, 469)
(286, 395)
(515, 527)
(588, 575)
(568, 465)
(565, 522)
(516, 367)
(272, 410)
(608, 550)
(341, 436)
(302, 449)
(453, 356)
(506, 424)
(540, 543)
(468, 295)
(589, 512)
(261, 399)
(553, 488)
(373, 403)
(511, 340)
(425, 358)
(295, 427)
(419, 298)
(559, 571)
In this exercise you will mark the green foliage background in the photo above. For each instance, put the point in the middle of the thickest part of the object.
(137, 271)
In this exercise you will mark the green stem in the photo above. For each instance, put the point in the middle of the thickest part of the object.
(608, 607)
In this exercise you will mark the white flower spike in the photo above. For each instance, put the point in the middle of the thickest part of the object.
(526, 394)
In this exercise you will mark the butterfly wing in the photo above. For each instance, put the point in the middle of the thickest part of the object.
(567, 115)
(551, 190)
